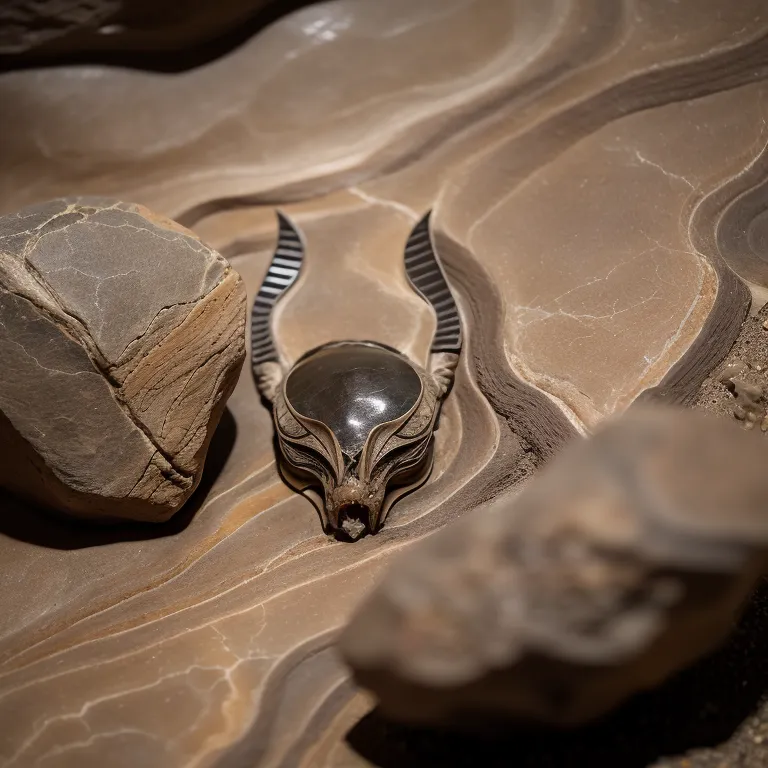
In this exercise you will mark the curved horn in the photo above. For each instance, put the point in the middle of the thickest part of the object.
(281, 275)
(426, 275)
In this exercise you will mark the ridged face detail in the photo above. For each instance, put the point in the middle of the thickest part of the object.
(352, 419)
(355, 419)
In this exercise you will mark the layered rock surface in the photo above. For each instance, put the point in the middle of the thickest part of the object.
(211, 643)
(121, 338)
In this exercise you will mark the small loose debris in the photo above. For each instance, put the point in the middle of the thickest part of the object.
(732, 371)
(740, 389)
(750, 404)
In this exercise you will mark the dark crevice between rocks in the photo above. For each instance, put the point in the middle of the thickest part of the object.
(139, 48)
(712, 715)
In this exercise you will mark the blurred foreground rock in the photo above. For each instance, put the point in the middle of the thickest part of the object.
(121, 338)
(626, 559)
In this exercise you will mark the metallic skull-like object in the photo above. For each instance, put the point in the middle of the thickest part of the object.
(355, 420)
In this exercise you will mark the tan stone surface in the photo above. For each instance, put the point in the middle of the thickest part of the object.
(605, 287)
(204, 644)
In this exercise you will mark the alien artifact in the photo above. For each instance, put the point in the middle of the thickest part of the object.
(355, 420)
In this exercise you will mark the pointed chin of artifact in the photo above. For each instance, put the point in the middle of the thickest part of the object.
(353, 508)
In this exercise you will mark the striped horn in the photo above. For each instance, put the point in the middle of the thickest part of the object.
(281, 275)
(426, 276)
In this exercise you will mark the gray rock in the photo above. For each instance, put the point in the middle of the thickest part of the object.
(121, 338)
(625, 559)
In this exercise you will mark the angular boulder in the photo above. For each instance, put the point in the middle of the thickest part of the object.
(121, 338)
(624, 560)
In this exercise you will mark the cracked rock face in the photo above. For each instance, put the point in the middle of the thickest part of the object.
(625, 560)
(121, 336)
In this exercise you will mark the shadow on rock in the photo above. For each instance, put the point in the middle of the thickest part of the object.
(144, 47)
(25, 522)
(699, 708)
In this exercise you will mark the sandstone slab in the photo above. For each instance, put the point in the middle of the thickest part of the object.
(121, 338)
(202, 645)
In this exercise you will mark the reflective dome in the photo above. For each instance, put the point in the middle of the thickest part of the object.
(352, 388)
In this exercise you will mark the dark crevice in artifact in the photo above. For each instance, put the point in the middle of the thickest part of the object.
(354, 520)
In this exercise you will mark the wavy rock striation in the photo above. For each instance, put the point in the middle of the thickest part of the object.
(589, 165)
